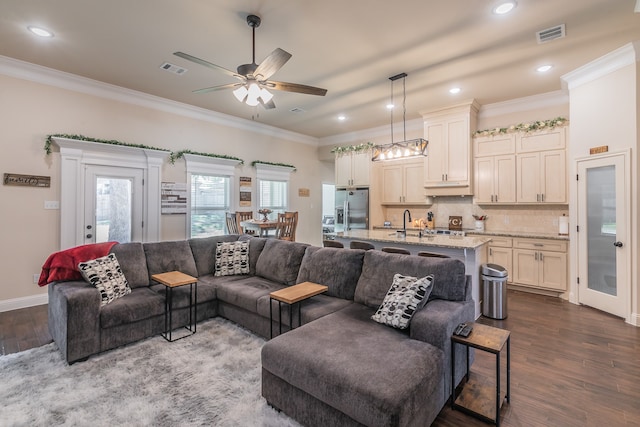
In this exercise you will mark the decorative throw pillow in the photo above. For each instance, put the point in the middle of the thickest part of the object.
(105, 274)
(406, 295)
(232, 258)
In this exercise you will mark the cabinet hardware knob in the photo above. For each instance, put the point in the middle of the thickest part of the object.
(89, 236)
(618, 244)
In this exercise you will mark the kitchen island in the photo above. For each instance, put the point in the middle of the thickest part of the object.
(472, 250)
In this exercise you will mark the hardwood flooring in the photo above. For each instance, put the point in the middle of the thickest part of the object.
(570, 365)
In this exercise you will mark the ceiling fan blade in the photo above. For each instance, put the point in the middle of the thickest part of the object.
(207, 64)
(271, 64)
(295, 87)
(267, 105)
(221, 87)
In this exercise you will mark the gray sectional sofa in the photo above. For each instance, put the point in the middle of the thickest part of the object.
(338, 368)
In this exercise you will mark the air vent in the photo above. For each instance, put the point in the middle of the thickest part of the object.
(173, 68)
(552, 33)
(297, 110)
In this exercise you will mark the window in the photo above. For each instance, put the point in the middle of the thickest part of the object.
(210, 199)
(273, 195)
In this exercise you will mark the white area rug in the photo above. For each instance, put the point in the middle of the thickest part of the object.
(211, 378)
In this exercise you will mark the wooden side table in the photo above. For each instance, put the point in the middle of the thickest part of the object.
(292, 295)
(477, 398)
(171, 280)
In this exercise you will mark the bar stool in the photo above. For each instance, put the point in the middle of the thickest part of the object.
(357, 244)
(393, 250)
(332, 244)
(432, 254)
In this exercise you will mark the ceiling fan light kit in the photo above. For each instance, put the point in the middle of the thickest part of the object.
(254, 78)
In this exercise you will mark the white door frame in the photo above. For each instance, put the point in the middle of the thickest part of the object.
(623, 255)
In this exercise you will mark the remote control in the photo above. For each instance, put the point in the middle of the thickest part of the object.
(463, 330)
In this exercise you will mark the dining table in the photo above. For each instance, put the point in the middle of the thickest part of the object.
(261, 226)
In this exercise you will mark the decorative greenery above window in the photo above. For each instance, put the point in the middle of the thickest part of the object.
(177, 155)
(365, 146)
(525, 127)
(272, 164)
(49, 141)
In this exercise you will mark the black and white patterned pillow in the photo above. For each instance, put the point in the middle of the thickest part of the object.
(406, 295)
(105, 274)
(232, 258)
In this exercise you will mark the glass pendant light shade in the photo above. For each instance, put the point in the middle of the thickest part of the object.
(265, 95)
(240, 93)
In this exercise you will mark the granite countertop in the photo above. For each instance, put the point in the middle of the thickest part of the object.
(389, 236)
(474, 232)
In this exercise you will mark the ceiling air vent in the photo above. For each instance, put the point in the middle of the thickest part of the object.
(173, 68)
(552, 33)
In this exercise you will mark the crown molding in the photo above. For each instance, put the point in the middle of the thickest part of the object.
(365, 134)
(27, 71)
(606, 64)
(528, 103)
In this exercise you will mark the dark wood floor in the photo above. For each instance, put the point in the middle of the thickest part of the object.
(570, 365)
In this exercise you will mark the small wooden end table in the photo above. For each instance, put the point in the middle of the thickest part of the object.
(171, 280)
(292, 295)
(477, 398)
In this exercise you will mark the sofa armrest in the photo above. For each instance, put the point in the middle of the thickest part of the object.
(435, 323)
(74, 318)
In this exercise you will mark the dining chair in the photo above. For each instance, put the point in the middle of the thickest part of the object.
(357, 244)
(243, 216)
(287, 224)
(332, 244)
(432, 254)
(232, 224)
(393, 250)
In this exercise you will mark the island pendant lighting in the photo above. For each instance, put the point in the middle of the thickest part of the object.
(405, 148)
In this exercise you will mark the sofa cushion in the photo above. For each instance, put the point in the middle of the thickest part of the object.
(105, 274)
(140, 304)
(170, 256)
(256, 245)
(405, 296)
(133, 263)
(280, 261)
(204, 251)
(351, 363)
(244, 291)
(232, 258)
(339, 269)
(379, 268)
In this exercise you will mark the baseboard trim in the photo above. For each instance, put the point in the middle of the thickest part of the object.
(634, 319)
(23, 302)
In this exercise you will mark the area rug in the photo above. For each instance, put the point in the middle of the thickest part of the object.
(211, 378)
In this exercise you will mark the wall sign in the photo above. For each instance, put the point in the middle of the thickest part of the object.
(173, 198)
(245, 191)
(303, 192)
(27, 180)
(598, 150)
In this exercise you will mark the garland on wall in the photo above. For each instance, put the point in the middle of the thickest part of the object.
(49, 141)
(365, 146)
(272, 164)
(179, 154)
(525, 127)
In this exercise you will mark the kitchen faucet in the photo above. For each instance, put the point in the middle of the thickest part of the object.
(404, 220)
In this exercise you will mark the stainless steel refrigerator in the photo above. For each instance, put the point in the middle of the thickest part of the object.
(352, 209)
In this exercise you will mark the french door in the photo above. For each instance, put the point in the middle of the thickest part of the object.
(113, 204)
(603, 237)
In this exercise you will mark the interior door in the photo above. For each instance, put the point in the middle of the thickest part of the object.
(603, 258)
(113, 204)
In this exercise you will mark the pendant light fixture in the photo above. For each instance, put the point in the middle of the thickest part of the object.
(405, 148)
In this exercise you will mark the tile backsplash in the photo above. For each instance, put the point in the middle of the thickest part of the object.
(530, 218)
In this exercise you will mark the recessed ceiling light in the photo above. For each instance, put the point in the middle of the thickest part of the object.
(40, 31)
(454, 90)
(342, 117)
(544, 68)
(504, 7)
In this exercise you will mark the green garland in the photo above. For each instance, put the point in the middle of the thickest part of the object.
(272, 164)
(179, 154)
(365, 146)
(525, 127)
(49, 141)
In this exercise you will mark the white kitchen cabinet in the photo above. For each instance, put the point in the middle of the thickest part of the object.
(540, 263)
(495, 179)
(500, 252)
(449, 161)
(542, 177)
(353, 169)
(402, 182)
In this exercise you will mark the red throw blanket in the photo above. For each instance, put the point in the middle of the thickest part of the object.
(63, 265)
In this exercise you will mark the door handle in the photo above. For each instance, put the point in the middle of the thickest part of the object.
(89, 236)
(618, 244)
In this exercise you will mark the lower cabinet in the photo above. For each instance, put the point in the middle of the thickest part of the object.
(500, 253)
(540, 263)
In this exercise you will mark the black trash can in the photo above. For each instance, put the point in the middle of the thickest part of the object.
(494, 295)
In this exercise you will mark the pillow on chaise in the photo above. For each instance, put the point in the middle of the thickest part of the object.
(106, 275)
(406, 295)
(232, 258)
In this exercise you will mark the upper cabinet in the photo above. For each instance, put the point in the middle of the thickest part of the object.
(449, 161)
(402, 182)
(353, 169)
(495, 169)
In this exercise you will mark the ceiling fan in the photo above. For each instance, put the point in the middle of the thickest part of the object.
(254, 78)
